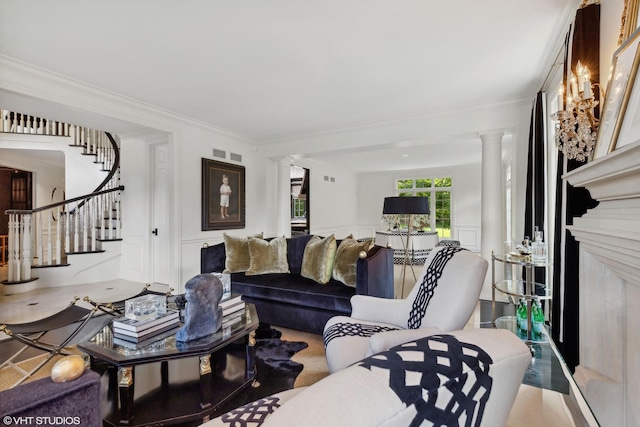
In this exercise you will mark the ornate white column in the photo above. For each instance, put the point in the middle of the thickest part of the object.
(283, 218)
(492, 204)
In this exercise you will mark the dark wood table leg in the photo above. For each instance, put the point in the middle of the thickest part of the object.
(206, 380)
(125, 392)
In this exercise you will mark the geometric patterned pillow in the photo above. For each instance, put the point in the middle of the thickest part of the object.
(446, 381)
(251, 414)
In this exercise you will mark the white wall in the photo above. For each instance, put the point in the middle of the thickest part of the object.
(191, 144)
(466, 194)
(333, 201)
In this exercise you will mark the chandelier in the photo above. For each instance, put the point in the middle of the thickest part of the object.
(576, 126)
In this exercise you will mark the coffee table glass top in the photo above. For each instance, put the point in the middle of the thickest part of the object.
(166, 347)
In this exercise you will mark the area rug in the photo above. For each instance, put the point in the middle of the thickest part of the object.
(275, 371)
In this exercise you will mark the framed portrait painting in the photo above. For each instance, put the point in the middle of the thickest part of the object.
(223, 195)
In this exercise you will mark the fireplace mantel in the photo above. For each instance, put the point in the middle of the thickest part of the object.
(609, 236)
(611, 231)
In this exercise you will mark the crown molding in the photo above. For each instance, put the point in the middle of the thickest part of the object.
(27, 79)
(425, 115)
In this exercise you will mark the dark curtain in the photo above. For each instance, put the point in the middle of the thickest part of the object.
(534, 205)
(584, 46)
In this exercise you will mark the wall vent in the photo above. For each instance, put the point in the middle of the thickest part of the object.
(219, 153)
(235, 157)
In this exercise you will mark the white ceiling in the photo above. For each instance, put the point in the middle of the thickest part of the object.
(268, 70)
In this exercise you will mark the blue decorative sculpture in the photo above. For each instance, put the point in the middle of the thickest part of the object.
(202, 316)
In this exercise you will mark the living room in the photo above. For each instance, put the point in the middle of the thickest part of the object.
(154, 127)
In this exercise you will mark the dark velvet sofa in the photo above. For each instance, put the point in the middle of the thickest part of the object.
(292, 301)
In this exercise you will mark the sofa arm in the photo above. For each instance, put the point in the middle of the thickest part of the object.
(374, 273)
(78, 400)
(212, 258)
(383, 341)
(381, 310)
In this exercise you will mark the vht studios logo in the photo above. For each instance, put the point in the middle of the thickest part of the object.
(41, 421)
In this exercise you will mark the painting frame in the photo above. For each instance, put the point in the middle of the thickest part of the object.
(222, 184)
(624, 69)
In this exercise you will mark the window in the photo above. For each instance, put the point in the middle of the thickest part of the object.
(298, 208)
(438, 191)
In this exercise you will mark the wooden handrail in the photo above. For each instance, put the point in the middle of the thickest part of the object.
(64, 202)
(116, 162)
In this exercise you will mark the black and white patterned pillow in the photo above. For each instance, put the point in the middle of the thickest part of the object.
(446, 381)
(252, 414)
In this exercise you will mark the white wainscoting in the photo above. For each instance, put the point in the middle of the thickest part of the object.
(468, 236)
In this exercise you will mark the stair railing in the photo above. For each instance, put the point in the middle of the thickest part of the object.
(77, 225)
(45, 235)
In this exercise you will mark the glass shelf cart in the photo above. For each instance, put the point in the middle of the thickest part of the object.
(517, 289)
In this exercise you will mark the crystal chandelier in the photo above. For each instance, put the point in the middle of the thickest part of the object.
(576, 126)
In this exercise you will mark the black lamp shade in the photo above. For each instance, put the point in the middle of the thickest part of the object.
(406, 205)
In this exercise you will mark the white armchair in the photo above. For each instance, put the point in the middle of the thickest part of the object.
(468, 377)
(443, 299)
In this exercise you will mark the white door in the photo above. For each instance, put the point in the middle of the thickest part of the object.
(162, 257)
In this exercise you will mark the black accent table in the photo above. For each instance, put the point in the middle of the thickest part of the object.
(168, 382)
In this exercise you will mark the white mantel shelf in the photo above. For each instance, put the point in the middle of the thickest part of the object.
(609, 236)
(611, 231)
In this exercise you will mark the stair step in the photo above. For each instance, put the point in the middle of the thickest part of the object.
(109, 240)
(85, 252)
(6, 282)
(51, 265)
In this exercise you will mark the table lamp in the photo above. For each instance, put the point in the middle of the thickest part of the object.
(406, 206)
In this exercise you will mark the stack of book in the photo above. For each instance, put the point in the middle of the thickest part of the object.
(232, 309)
(139, 333)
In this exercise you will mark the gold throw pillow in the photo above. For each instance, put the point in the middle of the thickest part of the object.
(318, 258)
(344, 268)
(268, 257)
(236, 249)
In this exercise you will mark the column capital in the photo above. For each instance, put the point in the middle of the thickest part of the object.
(491, 135)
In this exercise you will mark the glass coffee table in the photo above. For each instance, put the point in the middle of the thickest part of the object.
(169, 382)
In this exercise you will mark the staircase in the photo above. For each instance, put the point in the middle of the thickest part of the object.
(48, 236)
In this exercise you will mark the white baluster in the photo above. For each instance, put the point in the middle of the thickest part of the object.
(76, 229)
(94, 210)
(85, 227)
(50, 237)
(58, 237)
(118, 219)
(100, 216)
(26, 247)
(67, 231)
(109, 216)
(39, 239)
